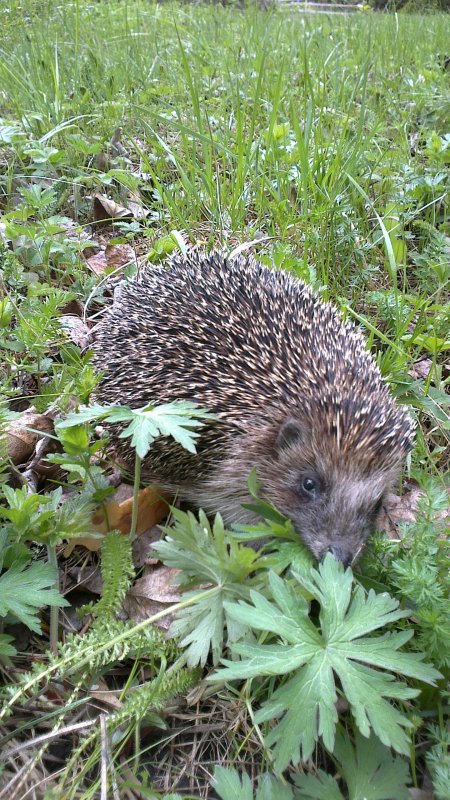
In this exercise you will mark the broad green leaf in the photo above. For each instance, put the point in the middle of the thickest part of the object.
(271, 788)
(229, 785)
(309, 700)
(207, 555)
(74, 439)
(318, 787)
(26, 589)
(204, 621)
(315, 655)
(370, 770)
(6, 648)
(177, 419)
(83, 415)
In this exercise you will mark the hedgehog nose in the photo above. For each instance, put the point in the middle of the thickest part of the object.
(341, 553)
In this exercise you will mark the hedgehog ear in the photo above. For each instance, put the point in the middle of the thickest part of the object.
(290, 433)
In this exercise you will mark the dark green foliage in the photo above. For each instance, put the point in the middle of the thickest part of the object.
(417, 572)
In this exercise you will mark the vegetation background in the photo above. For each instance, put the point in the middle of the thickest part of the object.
(321, 142)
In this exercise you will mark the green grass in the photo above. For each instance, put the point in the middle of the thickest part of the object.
(327, 138)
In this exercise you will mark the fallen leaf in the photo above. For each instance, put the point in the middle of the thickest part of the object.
(104, 209)
(401, 510)
(107, 697)
(151, 594)
(39, 469)
(20, 441)
(420, 794)
(421, 368)
(74, 307)
(82, 580)
(398, 510)
(116, 145)
(113, 256)
(142, 547)
(117, 255)
(136, 206)
(76, 329)
(152, 509)
(97, 263)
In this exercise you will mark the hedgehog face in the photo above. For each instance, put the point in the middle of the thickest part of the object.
(333, 513)
(332, 499)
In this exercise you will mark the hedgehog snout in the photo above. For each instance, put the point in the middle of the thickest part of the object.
(345, 546)
(341, 554)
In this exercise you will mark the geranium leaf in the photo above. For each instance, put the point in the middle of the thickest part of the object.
(314, 656)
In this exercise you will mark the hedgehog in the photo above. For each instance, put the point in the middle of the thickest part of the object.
(293, 390)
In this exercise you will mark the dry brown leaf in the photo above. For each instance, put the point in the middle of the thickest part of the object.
(116, 145)
(97, 263)
(402, 511)
(398, 510)
(152, 509)
(85, 580)
(142, 547)
(74, 308)
(421, 368)
(135, 205)
(117, 255)
(20, 441)
(76, 329)
(107, 697)
(151, 594)
(113, 256)
(39, 468)
(104, 209)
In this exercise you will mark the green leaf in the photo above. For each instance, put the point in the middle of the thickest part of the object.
(204, 622)
(26, 589)
(7, 649)
(75, 440)
(370, 770)
(207, 555)
(44, 518)
(177, 419)
(314, 655)
(318, 787)
(94, 412)
(271, 788)
(230, 785)
(170, 419)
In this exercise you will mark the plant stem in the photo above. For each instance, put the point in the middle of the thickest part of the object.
(137, 483)
(54, 610)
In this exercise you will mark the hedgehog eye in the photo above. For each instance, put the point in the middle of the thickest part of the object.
(309, 487)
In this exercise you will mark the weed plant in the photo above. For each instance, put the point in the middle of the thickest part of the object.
(322, 142)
